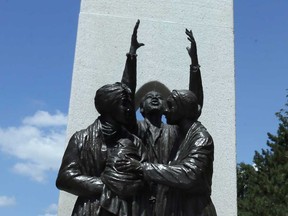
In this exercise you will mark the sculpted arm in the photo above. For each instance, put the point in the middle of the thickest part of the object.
(195, 80)
(188, 174)
(129, 73)
(71, 178)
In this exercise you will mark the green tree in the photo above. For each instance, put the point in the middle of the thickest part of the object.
(263, 187)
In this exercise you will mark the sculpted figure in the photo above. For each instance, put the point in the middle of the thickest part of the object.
(188, 175)
(91, 153)
(158, 137)
(162, 140)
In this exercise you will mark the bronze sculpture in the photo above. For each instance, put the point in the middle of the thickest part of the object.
(162, 140)
(113, 173)
(90, 150)
(188, 177)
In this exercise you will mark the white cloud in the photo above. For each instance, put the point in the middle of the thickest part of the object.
(44, 119)
(51, 210)
(7, 201)
(38, 144)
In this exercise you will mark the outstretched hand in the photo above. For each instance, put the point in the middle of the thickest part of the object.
(134, 42)
(192, 50)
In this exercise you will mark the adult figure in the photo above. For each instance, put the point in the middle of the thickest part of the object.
(189, 174)
(86, 154)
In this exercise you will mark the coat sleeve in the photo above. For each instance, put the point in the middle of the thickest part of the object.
(190, 173)
(195, 83)
(71, 178)
(129, 73)
(129, 78)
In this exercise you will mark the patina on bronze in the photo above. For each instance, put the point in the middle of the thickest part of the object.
(169, 172)
(90, 155)
(162, 140)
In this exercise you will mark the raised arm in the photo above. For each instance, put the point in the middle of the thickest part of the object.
(129, 74)
(195, 81)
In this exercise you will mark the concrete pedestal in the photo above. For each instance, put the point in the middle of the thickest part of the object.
(104, 33)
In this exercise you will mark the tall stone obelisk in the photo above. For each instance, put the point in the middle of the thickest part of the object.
(103, 39)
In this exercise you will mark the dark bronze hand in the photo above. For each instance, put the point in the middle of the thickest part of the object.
(192, 50)
(134, 42)
(128, 164)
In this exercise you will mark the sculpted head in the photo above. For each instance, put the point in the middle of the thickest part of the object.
(114, 101)
(182, 104)
(152, 103)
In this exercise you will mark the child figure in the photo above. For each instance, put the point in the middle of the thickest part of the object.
(120, 187)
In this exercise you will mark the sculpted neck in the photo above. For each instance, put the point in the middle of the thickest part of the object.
(154, 119)
(185, 125)
(109, 122)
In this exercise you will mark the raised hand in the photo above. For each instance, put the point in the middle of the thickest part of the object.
(134, 42)
(192, 50)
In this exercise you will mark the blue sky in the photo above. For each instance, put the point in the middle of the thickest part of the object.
(37, 42)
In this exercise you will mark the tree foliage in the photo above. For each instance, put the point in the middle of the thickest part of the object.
(263, 187)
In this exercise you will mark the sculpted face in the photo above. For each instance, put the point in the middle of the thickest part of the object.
(122, 110)
(114, 102)
(182, 104)
(152, 102)
(173, 112)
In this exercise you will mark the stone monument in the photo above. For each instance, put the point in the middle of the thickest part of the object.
(103, 33)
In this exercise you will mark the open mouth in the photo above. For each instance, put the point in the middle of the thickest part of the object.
(155, 102)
